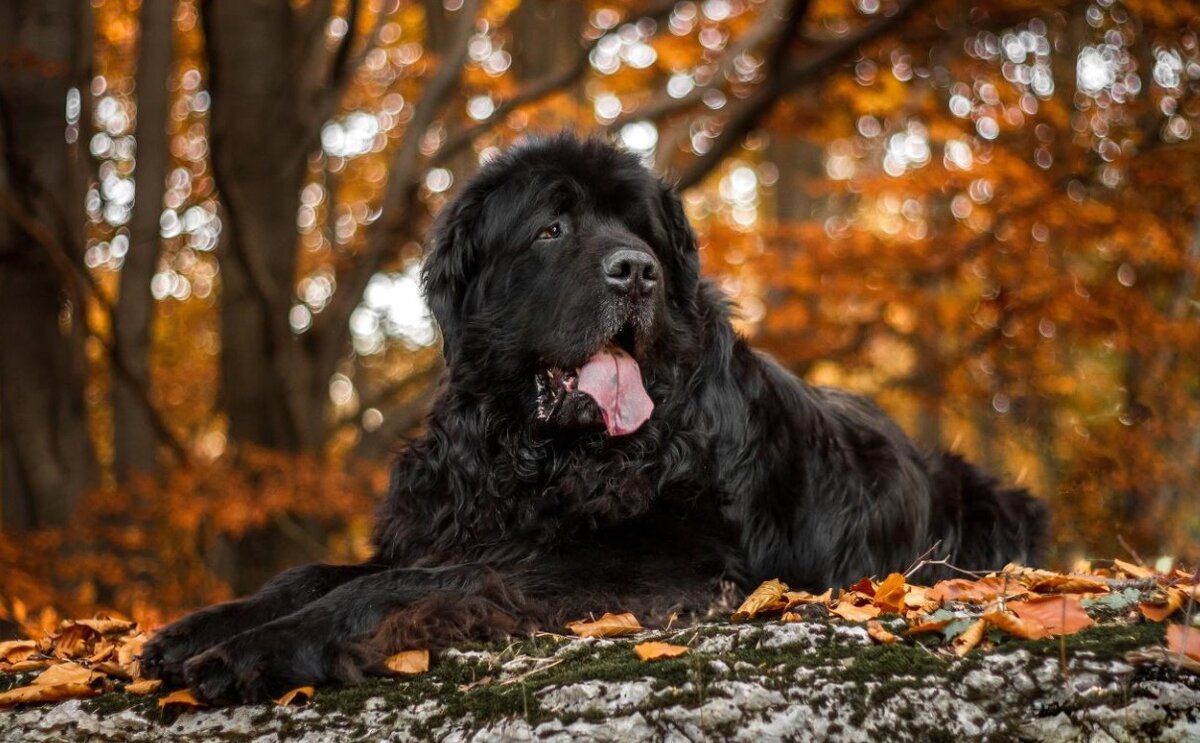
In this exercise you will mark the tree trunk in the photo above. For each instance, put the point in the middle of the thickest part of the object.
(46, 455)
(260, 142)
(134, 440)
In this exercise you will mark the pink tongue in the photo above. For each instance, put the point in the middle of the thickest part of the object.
(612, 378)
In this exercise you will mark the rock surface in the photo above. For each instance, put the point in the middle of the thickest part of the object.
(810, 680)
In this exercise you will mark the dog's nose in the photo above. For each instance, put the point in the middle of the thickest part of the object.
(629, 271)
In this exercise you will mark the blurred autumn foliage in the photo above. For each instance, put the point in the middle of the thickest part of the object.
(985, 214)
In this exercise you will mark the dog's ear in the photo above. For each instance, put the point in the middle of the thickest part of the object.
(449, 261)
(684, 256)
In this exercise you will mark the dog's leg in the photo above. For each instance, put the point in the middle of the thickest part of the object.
(169, 648)
(338, 636)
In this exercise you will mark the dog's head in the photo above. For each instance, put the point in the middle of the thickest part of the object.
(557, 276)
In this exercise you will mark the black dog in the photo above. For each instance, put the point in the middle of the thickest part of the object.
(604, 441)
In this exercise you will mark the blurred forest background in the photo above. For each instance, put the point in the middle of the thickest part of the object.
(985, 213)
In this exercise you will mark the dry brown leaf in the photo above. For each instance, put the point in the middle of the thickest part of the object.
(889, 595)
(102, 625)
(1134, 571)
(1058, 583)
(1059, 615)
(915, 597)
(26, 665)
(102, 652)
(45, 693)
(129, 653)
(298, 696)
(112, 669)
(145, 687)
(1015, 626)
(1159, 611)
(877, 632)
(66, 673)
(854, 613)
(1184, 640)
(796, 598)
(961, 589)
(766, 598)
(182, 699)
(927, 626)
(791, 616)
(74, 641)
(609, 625)
(648, 651)
(970, 638)
(408, 662)
(15, 651)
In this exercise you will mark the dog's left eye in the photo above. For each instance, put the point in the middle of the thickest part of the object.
(550, 232)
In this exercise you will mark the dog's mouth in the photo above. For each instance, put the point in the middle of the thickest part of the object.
(611, 378)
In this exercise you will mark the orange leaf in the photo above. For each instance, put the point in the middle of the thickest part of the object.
(102, 625)
(889, 596)
(45, 693)
(658, 650)
(933, 626)
(795, 598)
(1135, 571)
(791, 616)
(144, 687)
(853, 613)
(15, 651)
(1158, 611)
(1015, 626)
(767, 597)
(65, 673)
(961, 589)
(1059, 615)
(74, 640)
(408, 662)
(609, 625)
(182, 699)
(877, 632)
(1057, 583)
(970, 637)
(299, 696)
(1184, 639)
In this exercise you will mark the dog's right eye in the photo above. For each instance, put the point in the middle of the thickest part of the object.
(550, 232)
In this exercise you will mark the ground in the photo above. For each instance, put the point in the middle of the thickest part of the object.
(815, 679)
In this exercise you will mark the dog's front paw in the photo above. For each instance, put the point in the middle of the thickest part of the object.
(167, 650)
(254, 667)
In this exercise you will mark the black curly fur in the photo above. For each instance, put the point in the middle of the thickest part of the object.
(497, 522)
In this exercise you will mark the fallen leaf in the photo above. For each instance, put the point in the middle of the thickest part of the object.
(182, 699)
(928, 626)
(144, 687)
(102, 652)
(648, 651)
(44, 693)
(877, 632)
(889, 595)
(970, 638)
(74, 641)
(15, 651)
(129, 653)
(1134, 571)
(791, 616)
(865, 587)
(1058, 583)
(1059, 615)
(855, 613)
(1184, 640)
(299, 696)
(102, 625)
(408, 662)
(796, 598)
(609, 625)
(26, 665)
(961, 589)
(915, 597)
(66, 673)
(767, 597)
(1015, 626)
(1158, 611)
(112, 669)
